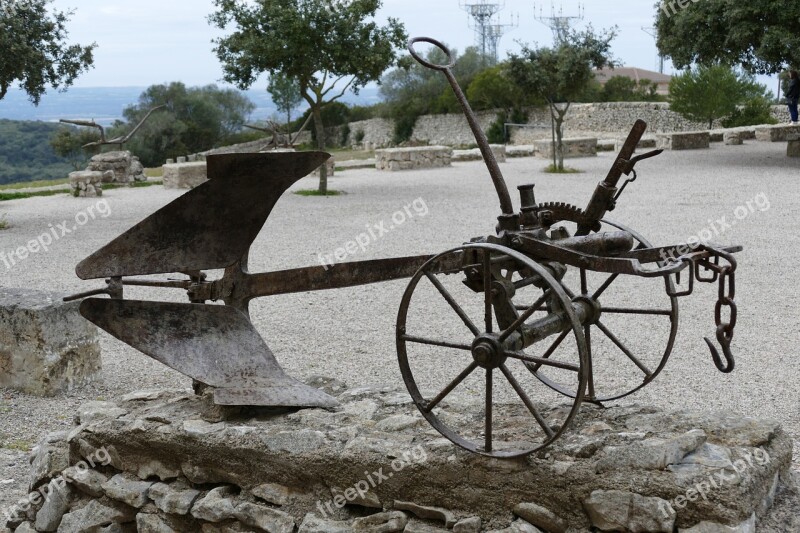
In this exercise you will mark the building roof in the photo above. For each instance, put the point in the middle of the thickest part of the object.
(637, 74)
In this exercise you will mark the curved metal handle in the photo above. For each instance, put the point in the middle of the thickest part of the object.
(725, 341)
(422, 61)
(483, 143)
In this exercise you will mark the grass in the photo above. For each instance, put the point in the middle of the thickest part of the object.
(3, 222)
(34, 184)
(153, 172)
(19, 445)
(552, 169)
(5, 196)
(316, 192)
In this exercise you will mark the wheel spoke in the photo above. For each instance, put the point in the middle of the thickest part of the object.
(430, 342)
(553, 347)
(604, 286)
(527, 401)
(430, 406)
(457, 308)
(624, 349)
(626, 311)
(587, 331)
(523, 317)
(489, 407)
(541, 361)
(487, 289)
(584, 282)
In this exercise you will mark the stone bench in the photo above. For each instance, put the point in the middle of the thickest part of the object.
(393, 159)
(184, 175)
(777, 133)
(733, 138)
(690, 140)
(46, 346)
(519, 150)
(575, 147)
(87, 183)
(499, 151)
(793, 146)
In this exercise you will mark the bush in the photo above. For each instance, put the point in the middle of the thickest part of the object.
(757, 110)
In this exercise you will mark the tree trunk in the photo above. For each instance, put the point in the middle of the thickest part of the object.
(559, 147)
(553, 134)
(320, 129)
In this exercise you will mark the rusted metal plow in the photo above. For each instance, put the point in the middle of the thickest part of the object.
(537, 297)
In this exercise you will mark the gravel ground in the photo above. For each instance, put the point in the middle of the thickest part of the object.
(349, 333)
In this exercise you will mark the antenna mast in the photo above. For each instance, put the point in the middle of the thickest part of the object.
(559, 23)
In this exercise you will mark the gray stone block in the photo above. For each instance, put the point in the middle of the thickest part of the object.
(184, 175)
(691, 140)
(577, 147)
(46, 346)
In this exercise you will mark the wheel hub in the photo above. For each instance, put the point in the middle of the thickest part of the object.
(487, 352)
(592, 306)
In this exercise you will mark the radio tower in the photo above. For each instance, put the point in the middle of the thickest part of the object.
(481, 13)
(652, 31)
(496, 32)
(559, 23)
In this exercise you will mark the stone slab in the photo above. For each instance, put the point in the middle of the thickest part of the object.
(394, 159)
(777, 133)
(184, 175)
(575, 147)
(499, 151)
(793, 148)
(46, 346)
(693, 140)
(86, 183)
(672, 469)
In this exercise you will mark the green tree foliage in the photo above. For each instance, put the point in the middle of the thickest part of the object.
(760, 35)
(756, 110)
(561, 75)
(412, 90)
(492, 89)
(285, 94)
(26, 154)
(624, 89)
(35, 52)
(195, 119)
(707, 93)
(328, 46)
(68, 142)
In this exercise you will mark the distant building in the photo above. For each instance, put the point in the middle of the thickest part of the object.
(636, 74)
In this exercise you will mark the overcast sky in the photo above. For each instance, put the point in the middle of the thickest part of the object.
(143, 42)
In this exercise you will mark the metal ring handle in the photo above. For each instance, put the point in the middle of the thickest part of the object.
(451, 62)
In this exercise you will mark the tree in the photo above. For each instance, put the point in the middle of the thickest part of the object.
(68, 142)
(412, 90)
(625, 89)
(561, 74)
(707, 93)
(327, 46)
(285, 94)
(35, 49)
(194, 119)
(762, 36)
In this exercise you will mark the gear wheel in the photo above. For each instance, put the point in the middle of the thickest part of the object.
(561, 211)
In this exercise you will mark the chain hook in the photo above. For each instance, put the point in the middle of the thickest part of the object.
(725, 342)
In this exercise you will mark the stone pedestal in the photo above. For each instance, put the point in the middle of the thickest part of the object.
(498, 150)
(693, 140)
(124, 166)
(86, 183)
(733, 138)
(184, 175)
(170, 460)
(393, 159)
(46, 346)
(577, 147)
(793, 146)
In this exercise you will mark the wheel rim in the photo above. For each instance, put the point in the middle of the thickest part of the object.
(596, 392)
(486, 354)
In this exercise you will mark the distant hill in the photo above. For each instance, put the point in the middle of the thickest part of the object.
(25, 154)
(105, 104)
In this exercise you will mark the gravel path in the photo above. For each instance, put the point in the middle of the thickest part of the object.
(348, 333)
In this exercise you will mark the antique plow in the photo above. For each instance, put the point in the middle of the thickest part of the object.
(536, 297)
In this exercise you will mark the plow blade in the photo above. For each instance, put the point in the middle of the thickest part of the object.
(211, 226)
(214, 344)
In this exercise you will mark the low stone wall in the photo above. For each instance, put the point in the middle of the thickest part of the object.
(46, 346)
(169, 461)
(393, 159)
(498, 150)
(694, 140)
(581, 147)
